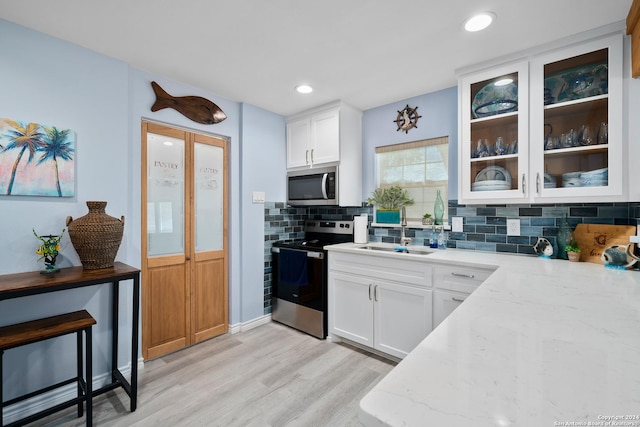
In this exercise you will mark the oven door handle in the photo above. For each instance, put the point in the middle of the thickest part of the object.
(310, 254)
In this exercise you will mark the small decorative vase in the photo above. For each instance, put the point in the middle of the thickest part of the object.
(438, 209)
(96, 236)
(574, 256)
(49, 265)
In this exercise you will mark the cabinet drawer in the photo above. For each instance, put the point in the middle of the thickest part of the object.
(460, 279)
(403, 271)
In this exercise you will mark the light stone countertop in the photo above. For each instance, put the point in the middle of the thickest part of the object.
(542, 342)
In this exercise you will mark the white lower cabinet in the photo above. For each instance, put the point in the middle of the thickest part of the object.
(444, 302)
(452, 286)
(392, 304)
(368, 307)
(351, 307)
(401, 317)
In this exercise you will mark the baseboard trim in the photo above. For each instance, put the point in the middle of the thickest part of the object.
(365, 348)
(48, 400)
(250, 324)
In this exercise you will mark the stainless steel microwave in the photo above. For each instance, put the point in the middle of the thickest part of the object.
(311, 187)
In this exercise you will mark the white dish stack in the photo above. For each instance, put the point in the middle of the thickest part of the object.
(492, 178)
(594, 178)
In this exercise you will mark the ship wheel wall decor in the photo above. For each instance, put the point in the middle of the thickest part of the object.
(407, 119)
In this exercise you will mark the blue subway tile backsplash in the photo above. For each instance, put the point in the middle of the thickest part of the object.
(484, 226)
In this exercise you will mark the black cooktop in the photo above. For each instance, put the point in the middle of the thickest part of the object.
(319, 233)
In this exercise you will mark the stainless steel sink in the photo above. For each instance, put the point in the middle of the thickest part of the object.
(413, 250)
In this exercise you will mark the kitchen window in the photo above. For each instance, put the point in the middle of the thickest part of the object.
(421, 168)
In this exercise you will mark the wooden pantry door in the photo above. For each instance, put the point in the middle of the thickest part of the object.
(184, 238)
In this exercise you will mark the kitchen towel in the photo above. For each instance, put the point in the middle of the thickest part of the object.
(293, 267)
(360, 234)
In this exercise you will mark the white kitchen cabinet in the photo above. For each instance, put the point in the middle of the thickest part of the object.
(314, 139)
(402, 317)
(325, 135)
(351, 307)
(537, 139)
(381, 303)
(298, 142)
(452, 285)
(483, 121)
(589, 101)
(444, 302)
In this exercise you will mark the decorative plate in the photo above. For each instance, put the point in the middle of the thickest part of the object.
(576, 83)
(494, 173)
(492, 99)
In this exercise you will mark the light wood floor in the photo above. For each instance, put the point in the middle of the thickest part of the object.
(268, 376)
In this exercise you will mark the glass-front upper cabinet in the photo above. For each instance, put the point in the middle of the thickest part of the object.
(546, 129)
(576, 121)
(494, 133)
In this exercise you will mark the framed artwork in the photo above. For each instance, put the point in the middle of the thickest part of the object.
(36, 160)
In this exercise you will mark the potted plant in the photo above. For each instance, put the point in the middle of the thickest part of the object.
(426, 219)
(573, 251)
(388, 202)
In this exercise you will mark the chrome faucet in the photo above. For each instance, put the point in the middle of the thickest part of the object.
(404, 240)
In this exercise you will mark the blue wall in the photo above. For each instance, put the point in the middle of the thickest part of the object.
(263, 167)
(439, 111)
(104, 100)
(51, 82)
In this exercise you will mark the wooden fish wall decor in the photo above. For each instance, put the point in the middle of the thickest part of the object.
(196, 108)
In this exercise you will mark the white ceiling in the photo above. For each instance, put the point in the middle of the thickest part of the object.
(366, 52)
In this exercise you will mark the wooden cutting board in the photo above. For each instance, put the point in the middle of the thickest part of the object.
(593, 239)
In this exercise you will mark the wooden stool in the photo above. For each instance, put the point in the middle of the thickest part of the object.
(38, 330)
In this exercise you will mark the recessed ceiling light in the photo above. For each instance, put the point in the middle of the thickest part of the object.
(503, 82)
(479, 21)
(304, 89)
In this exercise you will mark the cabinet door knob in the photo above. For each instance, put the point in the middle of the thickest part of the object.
(312, 150)
(524, 186)
(538, 182)
(370, 291)
(375, 293)
(457, 299)
(306, 156)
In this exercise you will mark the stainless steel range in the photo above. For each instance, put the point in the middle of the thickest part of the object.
(299, 272)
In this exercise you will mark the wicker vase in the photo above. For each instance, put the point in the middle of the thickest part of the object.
(96, 236)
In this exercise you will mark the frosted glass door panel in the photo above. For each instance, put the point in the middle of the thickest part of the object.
(209, 197)
(165, 195)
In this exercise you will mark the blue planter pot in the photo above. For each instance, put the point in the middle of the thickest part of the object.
(385, 216)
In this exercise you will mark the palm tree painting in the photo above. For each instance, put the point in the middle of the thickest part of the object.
(36, 160)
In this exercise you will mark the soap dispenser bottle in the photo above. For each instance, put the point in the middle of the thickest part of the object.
(434, 238)
(441, 244)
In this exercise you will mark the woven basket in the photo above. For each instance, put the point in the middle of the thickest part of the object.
(96, 236)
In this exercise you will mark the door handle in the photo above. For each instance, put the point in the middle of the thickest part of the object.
(312, 155)
(306, 157)
(370, 291)
(538, 182)
(375, 293)
(457, 299)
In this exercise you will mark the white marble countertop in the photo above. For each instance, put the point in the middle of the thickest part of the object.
(542, 342)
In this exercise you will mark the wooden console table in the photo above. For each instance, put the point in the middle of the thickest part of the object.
(33, 283)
